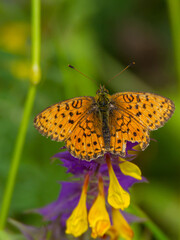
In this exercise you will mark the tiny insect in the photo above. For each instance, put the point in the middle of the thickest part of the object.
(93, 126)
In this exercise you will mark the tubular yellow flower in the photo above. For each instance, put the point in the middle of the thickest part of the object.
(77, 223)
(117, 197)
(130, 169)
(98, 216)
(120, 227)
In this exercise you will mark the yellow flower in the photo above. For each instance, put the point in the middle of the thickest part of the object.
(117, 197)
(137, 147)
(98, 216)
(77, 223)
(120, 227)
(130, 169)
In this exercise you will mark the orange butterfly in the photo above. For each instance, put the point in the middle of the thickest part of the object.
(92, 126)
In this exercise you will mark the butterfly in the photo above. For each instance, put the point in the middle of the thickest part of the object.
(93, 126)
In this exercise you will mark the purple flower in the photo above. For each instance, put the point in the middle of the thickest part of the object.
(94, 198)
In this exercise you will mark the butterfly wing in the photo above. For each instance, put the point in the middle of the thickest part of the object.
(123, 128)
(75, 121)
(59, 120)
(86, 141)
(133, 115)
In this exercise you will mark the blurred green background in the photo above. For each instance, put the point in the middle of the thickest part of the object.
(99, 38)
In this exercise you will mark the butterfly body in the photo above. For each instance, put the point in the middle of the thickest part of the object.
(103, 106)
(92, 126)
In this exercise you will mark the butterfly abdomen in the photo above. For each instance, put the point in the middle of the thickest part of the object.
(103, 105)
(105, 129)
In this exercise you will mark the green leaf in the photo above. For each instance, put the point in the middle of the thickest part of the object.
(8, 236)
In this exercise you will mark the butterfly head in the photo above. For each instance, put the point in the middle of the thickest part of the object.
(102, 96)
(102, 90)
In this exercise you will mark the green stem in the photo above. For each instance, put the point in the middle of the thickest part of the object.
(36, 41)
(174, 15)
(16, 156)
(35, 78)
(157, 232)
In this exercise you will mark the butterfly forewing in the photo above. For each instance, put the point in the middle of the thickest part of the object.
(59, 120)
(134, 115)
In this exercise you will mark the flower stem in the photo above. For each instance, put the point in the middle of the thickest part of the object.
(16, 156)
(35, 78)
(174, 15)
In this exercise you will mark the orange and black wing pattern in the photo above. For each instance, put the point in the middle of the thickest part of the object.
(59, 120)
(76, 122)
(86, 141)
(133, 115)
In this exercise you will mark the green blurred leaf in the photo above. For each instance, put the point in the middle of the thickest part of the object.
(8, 236)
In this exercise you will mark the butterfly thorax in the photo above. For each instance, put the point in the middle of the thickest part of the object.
(102, 99)
(103, 102)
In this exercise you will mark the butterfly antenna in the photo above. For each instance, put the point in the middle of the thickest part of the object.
(130, 65)
(82, 73)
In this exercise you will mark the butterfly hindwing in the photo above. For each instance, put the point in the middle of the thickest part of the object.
(123, 128)
(86, 141)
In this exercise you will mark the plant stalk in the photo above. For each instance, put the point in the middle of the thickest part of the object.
(34, 80)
